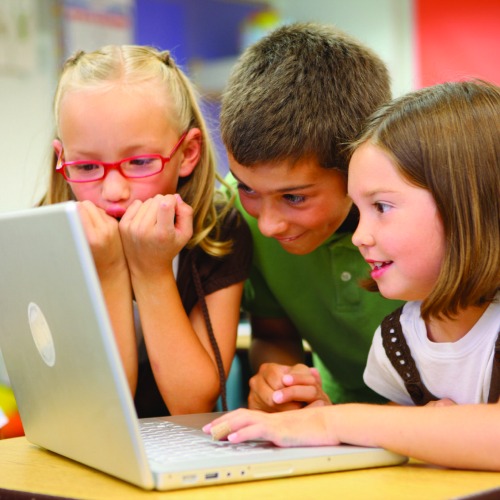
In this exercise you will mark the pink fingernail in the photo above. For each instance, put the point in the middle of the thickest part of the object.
(278, 397)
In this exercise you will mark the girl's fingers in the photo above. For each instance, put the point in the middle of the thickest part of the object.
(183, 217)
(166, 212)
(90, 215)
(236, 426)
(220, 431)
(131, 212)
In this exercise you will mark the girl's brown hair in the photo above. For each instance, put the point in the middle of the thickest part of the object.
(446, 139)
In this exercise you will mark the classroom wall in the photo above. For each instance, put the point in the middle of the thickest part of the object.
(28, 68)
(420, 40)
(387, 26)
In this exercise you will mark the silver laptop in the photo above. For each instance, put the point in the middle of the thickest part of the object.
(71, 391)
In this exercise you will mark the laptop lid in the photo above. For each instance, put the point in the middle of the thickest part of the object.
(67, 377)
(58, 346)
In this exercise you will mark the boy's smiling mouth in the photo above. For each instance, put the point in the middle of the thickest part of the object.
(287, 239)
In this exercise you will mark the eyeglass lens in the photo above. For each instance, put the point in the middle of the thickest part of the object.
(140, 166)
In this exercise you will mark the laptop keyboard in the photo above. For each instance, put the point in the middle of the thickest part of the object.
(167, 442)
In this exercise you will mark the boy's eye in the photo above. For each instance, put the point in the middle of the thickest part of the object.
(244, 188)
(294, 199)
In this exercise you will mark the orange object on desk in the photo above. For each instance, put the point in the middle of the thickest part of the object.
(14, 426)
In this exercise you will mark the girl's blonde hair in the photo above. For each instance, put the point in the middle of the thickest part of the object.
(134, 64)
(446, 139)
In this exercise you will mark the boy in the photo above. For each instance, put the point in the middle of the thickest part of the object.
(292, 102)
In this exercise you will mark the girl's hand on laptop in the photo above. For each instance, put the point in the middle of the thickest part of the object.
(306, 427)
(281, 388)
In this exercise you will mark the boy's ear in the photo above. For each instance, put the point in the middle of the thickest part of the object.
(191, 152)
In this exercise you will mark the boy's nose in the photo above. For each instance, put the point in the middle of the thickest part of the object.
(271, 222)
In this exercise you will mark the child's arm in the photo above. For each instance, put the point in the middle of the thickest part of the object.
(458, 436)
(105, 242)
(178, 346)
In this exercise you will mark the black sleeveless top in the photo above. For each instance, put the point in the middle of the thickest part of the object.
(200, 274)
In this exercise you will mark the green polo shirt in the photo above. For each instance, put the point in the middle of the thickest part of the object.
(320, 293)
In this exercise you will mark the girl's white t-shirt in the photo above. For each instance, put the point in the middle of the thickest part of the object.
(460, 371)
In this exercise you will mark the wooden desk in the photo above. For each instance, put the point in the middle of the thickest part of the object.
(25, 467)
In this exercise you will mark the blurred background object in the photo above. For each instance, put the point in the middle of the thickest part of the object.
(422, 42)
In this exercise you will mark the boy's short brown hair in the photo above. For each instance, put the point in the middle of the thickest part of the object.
(302, 91)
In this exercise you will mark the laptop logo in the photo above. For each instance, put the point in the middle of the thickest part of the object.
(41, 334)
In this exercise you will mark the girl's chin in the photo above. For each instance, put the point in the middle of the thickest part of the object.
(405, 295)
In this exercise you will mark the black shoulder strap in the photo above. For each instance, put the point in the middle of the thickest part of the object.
(213, 340)
(495, 375)
(399, 354)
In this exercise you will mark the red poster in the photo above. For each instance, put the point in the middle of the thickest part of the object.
(457, 39)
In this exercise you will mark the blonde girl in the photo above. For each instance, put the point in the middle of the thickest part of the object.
(134, 151)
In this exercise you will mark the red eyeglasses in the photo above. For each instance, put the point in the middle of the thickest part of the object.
(134, 167)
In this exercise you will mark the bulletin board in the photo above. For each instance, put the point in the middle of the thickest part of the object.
(91, 24)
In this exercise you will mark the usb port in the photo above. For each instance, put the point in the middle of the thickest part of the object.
(212, 475)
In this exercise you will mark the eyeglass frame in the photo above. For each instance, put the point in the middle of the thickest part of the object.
(60, 166)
